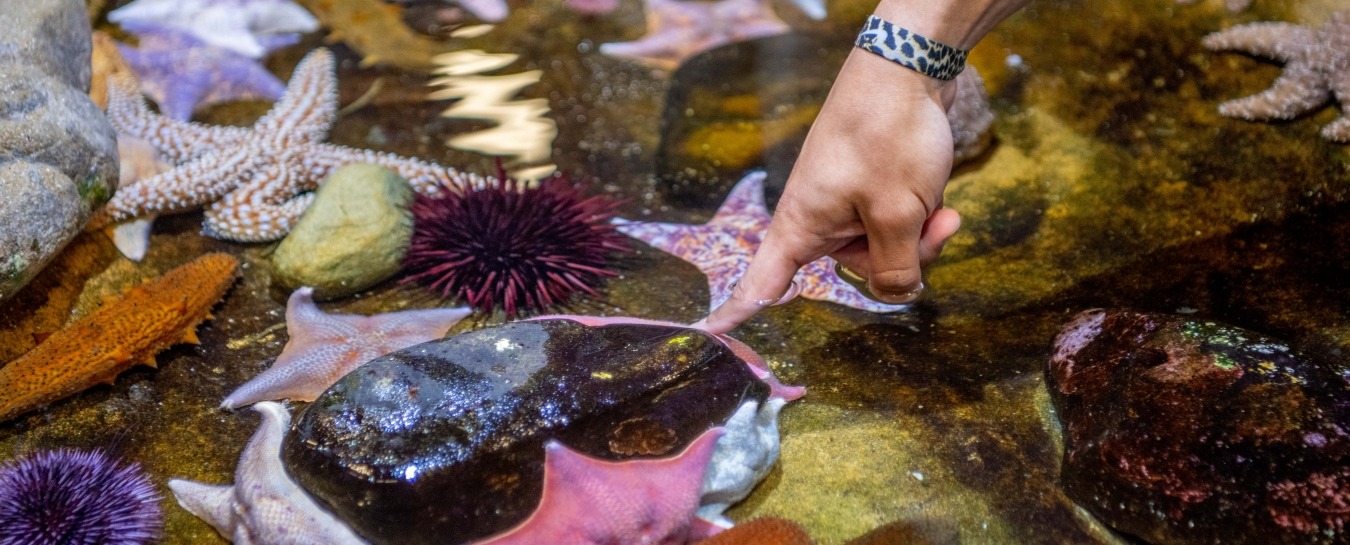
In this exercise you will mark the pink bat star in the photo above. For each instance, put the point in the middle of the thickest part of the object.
(590, 502)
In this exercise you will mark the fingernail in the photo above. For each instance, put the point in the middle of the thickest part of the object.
(793, 290)
(901, 298)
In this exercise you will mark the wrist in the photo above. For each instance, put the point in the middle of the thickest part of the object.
(957, 23)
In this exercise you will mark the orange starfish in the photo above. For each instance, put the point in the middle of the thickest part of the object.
(124, 332)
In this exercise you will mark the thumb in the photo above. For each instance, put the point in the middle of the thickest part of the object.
(893, 247)
(939, 227)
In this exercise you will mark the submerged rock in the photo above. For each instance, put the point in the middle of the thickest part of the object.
(443, 442)
(58, 154)
(1182, 431)
(352, 237)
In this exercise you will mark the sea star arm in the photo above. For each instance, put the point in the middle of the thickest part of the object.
(642, 501)
(184, 188)
(1284, 42)
(426, 177)
(179, 141)
(324, 347)
(211, 503)
(1339, 130)
(272, 507)
(491, 11)
(264, 209)
(1291, 94)
(309, 105)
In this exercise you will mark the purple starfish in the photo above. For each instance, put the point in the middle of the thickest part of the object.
(325, 347)
(183, 73)
(679, 30)
(248, 27)
(722, 249)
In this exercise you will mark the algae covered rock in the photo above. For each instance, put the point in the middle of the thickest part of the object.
(58, 154)
(443, 442)
(352, 237)
(1185, 432)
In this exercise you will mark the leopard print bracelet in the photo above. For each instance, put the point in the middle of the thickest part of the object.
(910, 50)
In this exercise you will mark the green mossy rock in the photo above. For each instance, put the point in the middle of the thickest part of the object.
(352, 237)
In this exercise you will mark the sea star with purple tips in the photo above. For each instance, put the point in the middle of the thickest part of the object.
(722, 249)
(183, 73)
(1316, 70)
(325, 347)
(264, 505)
(679, 30)
(588, 501)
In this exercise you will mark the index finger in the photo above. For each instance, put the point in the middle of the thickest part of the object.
(766, 282)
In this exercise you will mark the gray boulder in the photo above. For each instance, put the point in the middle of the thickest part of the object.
(58, 154)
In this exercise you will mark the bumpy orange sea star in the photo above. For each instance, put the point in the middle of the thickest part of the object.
(124, 332)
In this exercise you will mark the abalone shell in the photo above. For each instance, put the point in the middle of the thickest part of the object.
(443, 442)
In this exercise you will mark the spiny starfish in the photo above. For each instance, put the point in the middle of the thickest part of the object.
(722, 248)
(1317, 69)
(325, 347)
(256, 179)
(679, 30)
(264, 505)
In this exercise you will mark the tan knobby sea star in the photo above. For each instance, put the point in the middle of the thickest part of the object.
(1317, 69)
(256, 179)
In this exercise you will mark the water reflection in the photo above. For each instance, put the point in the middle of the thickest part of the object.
(523, 132)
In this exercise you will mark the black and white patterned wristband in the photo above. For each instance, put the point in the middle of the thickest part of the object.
(910, 50)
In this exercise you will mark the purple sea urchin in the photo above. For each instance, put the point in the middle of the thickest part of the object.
(71, 497)
(513, 246)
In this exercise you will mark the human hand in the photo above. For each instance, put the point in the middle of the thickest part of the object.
(866, 190)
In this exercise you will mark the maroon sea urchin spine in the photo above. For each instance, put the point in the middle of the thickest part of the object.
(76, 497)
(513, 246)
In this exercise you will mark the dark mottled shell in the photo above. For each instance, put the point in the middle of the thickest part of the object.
(443, 442)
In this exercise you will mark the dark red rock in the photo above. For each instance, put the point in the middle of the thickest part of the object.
(1185, 432)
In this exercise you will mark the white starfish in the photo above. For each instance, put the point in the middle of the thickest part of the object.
(325, 347)
(257, 180)
(249, 27)
(264, 506)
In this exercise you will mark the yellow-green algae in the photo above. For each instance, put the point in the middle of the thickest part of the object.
(1113, 182)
